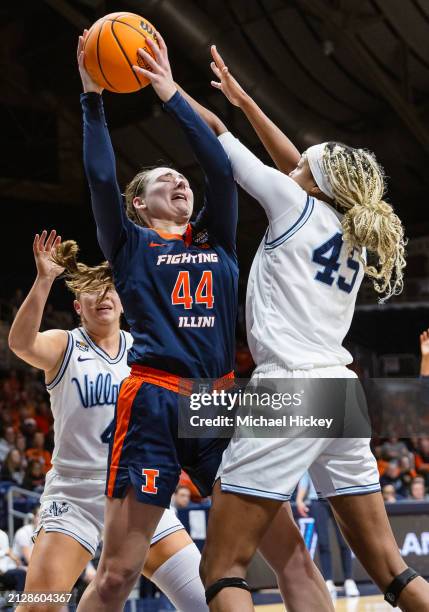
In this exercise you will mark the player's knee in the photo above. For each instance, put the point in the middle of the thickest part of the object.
(114, 580)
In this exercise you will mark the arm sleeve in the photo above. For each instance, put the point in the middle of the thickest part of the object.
(282, 199)
(221, 203)
(113, 226)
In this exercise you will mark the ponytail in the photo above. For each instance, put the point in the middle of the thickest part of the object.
(369, 222)
(81, 278)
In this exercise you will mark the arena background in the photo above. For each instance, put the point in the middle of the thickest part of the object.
(351, 70)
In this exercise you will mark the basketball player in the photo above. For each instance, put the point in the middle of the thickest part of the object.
(178, 284)
(83, 370)
(302, 289)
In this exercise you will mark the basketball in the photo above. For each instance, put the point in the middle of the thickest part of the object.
(111, 50)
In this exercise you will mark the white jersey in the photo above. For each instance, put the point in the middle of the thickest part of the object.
(303, 283)
(83, 396)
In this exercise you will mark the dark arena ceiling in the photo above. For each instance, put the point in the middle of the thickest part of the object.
(352, 70)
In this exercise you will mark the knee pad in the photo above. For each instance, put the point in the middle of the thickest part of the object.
(224, 583)
(397, 585)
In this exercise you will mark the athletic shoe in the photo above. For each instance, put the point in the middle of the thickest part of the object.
(350, 588)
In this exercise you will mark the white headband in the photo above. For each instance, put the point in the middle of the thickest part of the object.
(315, 160)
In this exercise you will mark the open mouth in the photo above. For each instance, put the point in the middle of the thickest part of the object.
(179, 196)
(104, 308)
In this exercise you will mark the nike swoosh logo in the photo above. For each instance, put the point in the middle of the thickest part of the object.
(155, 244)
(85, 358)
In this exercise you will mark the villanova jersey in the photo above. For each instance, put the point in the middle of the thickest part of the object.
(303, 282)
(83, 397)
(179, 294)
(302, 292)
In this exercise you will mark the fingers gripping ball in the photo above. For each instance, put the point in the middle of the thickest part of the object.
(111, 50)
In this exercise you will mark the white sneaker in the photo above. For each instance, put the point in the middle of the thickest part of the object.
(331, 588)
(350, 588)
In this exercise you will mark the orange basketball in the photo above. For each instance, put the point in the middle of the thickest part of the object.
(111, 50)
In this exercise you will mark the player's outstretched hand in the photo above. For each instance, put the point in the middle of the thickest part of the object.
(87, 83)
(228, 85)
(159, 72)
(43, 246)
(424, 343)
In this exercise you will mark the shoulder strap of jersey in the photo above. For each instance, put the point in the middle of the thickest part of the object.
(64, 363)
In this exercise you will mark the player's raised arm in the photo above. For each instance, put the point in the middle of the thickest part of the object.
(424, 349)
(100, 166)
(221, 207)
(279, 195)
(41, 350)
(279, 147)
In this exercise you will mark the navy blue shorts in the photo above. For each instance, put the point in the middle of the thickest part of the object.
(145, 451)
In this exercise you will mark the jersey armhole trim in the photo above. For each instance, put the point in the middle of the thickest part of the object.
(64, 363)
(302, 220)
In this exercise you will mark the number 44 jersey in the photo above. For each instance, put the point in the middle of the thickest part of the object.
(302, 291)
(179, 293)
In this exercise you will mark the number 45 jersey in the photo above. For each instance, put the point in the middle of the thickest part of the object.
(303, 283)
(83, 397)
(302, 291)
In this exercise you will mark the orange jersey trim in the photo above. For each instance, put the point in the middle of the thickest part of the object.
(175, 383)
(127, 394)
(187, 236)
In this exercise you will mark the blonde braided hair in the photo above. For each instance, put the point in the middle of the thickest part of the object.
(358, 184)
(81, 278)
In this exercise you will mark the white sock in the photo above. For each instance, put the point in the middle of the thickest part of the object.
(179, 579)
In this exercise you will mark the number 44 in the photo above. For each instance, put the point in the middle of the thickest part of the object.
(181, 294)
(328, 255)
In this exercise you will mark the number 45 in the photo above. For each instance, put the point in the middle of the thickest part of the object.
(327, 255)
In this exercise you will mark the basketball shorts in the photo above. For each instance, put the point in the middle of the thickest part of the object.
(145, 449)
(272, 467)
(75, 507)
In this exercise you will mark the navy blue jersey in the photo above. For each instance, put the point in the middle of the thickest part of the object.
(179, 293)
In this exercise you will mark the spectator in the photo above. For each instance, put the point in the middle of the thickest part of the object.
(393, 476)
(28, 428)
(182, 497)
(23, 542)
(13, 469)
(34, 479)
(37, 451)
(321, 511)
(417, 489)
(408, 473)
(43, 417)
(12, 577)
(21, 446)
(393, 448)
(389, 494)
(422, 458)
(7, 442)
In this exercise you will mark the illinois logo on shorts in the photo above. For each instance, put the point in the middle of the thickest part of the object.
(150, 485)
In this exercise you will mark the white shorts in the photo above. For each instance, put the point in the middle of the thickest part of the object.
(75, 506)
(272, 467)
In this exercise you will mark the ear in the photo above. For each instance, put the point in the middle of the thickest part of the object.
(316, 192)
(77, 307)
(139, 203)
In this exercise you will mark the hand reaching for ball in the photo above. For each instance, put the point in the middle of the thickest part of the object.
(159, 72)
(228, 85)
(87, 83)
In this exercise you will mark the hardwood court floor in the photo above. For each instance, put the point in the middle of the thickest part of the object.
(374, 603)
